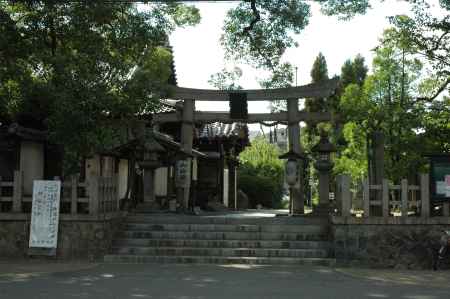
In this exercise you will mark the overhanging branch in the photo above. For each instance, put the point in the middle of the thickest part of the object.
(255, 20)
(437, 93)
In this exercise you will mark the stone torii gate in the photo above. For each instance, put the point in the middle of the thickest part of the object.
(292, 117)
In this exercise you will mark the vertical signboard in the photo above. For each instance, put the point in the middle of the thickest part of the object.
(45, 214)
(182, 173)
(440, 177)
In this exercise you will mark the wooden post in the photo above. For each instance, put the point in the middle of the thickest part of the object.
(117, 194)
(74, 194)
(109, 194)
(366, 198)
(17, 192)
(404, 196)
(296, 196)
(345, 195)
(104, 195)
(94, 194)
(385, 197)
(425, 195)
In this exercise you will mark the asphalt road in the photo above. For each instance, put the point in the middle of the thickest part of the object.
(202, 281)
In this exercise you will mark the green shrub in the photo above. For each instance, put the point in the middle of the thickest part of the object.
(261, 174)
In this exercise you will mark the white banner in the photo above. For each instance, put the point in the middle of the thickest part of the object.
(45, 214)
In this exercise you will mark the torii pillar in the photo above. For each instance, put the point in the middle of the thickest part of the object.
(187, 132)
(295, 195)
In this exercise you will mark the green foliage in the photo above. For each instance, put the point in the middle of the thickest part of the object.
(319, 70)
(281, 76)
(79, 69)
(427, 37)
(261, 174)
(387, 102)
(353, 72)
(259, 32)
(226, 79)
(344, 9)
(352, 158)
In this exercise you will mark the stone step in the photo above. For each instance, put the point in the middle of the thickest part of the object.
(276, 228)
(186, 219)
(218, 260)
(222, 243)
(227, 252)
(210, 235)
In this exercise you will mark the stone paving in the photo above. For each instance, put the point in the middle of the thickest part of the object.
(64, 280)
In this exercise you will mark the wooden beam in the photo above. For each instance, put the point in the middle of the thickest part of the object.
(314, 90)
(224, 117)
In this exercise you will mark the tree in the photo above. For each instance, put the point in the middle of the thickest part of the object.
(261, 173)
(319, 72)
(429, 38)
(385, 102)
(84, 67)
(259, 32)
(353, 72)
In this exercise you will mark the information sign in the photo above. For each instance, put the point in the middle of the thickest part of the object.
(45, 214)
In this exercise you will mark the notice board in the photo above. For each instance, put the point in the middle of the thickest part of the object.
(440, 177)
(45, 214)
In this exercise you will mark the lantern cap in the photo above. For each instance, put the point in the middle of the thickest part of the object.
(293, 155)
(324, 145)
(151, 145)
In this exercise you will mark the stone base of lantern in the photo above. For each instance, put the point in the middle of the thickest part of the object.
(148, 207)
(321, 210)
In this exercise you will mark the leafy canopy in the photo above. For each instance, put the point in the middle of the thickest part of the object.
(80, 69)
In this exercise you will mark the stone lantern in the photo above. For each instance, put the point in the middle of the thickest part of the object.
(293, 173)
(150, 162)
(323, 165)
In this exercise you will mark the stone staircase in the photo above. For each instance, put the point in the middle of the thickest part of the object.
(150, 238)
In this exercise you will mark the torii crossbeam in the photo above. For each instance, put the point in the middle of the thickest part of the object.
(315, 90)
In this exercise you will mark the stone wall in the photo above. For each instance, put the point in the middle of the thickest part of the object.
(410, 244)
(77, 238)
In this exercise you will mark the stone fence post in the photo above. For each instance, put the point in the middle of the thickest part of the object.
(74, 194)
(404, 197)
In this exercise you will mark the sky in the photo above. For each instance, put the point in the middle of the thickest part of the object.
(198, 54)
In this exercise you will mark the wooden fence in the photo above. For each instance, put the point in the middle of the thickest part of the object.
(389, 200)
(99, 195)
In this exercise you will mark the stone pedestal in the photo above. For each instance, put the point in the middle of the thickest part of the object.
(324, 167)
(149, 203)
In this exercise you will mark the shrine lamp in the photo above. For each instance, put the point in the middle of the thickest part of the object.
(292, 166)
(324, 148)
